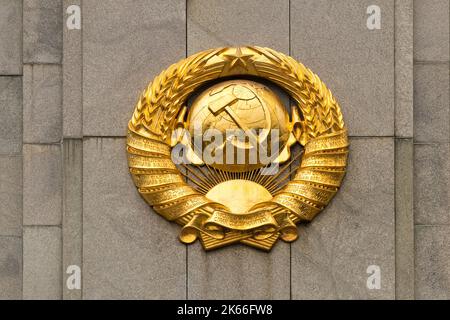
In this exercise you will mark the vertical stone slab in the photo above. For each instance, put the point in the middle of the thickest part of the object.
(431, 103)
(432, 184)
(238, 272)
(72, 71)
(42, 104)
(331, 257)
(128, 250)
(332, 39)
(431, 30)
(432, 148)
(42, 185)
(232, 23)
(72, 224)
(42, 263)
(404, 90)
(125, 44)
(10, 37)
(11, 195)
(404, 219)
(10, 268)
(10, 115)
(433, 262)
(42, 31)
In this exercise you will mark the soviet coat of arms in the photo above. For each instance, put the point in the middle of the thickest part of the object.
(211, 147)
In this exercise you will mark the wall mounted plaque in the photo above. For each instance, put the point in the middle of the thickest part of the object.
(223, 166)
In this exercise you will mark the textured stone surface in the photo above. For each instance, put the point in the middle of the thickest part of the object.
(125, 44)
(10, 37)
(73, 210)
(238, 272)
(431, 103)
(432, 262)
(432, 184)
(42, 104)
(356, 230)
(404, 83)
(357, 64)
(10, 115)
(72, 78)
(128, 250)
(42, 263)
(404, 219)
(238, 22)
(42, 185)
(42, 31)
(431, 30)
(11, 195)
(10, 268)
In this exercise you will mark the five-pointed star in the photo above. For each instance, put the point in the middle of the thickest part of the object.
(238, 58)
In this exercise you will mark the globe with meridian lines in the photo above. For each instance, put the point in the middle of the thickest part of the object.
(240, 105)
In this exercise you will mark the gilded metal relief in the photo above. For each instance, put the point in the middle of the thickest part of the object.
(250, 189)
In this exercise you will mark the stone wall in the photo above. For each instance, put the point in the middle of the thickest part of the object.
(66, 96)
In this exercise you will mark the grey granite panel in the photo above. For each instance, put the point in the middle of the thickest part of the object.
(42, 31)
(42, 104)
(239, 272)
(125, 44)
(42, 184)
(72, 224)
(128, 250)
(432, 262)
(10, 37)
(431, 30)
(10, 268)
(10, 115)
(331, 257)
(432, 184)
(72, 77)
(404, 82)
(357, 64)
(431, 103)
(11, 195)
(238, 22)
(404, 219)
(42, 272)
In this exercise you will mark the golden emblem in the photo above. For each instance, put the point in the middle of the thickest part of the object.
(191, 163)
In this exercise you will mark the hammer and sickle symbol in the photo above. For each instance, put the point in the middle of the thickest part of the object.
(231, 96)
